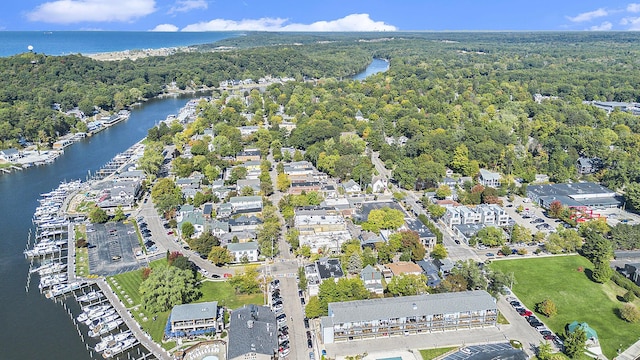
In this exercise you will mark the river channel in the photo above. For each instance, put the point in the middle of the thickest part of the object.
(32, 327)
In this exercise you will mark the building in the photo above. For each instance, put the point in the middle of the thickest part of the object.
(351, 187)
(253, 334)
(489, 178)
(586, 166)
(246, 204)
(321, 270)
(406, 315)
(248, 155)
(632, 272)
(427, 238)
(321, 230)
(242, 251)
(430, 270)
(194, 319)
(244, 223)
(576, 195)
(484, 214)
(10, 155)
(404, 268)
(372, 279)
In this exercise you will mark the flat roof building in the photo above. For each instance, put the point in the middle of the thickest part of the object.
(582, 194)
(253, 334)
(385, 317)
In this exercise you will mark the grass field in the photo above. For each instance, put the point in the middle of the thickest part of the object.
(434, 353)
(126, 287)
(576, 296)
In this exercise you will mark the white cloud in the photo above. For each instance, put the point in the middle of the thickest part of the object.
(588, 16)
(75, 11)
(605, 26)
(165, 28)
(633, 8)
(632, 22)
(188, 5)
(353, 22)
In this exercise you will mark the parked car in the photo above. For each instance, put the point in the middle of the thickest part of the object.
(306, 323)
(281, 316)
(491, 254)
(302, 301)
(309, 343)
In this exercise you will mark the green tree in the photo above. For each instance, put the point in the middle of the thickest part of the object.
(166, 287)
(384, 218)
(471, 273)
(547, 308)
(596, 248)
(443, 191)
(354, 264)
(575, 342)
(220, 255)
(490, 236)
(313, 309)
(436, 211)
(629, 296)
(98, 216)
(246, 282)
(602, 273)
(520, 234)
(187, 229)
(408, 284)
(203, 243)
(166, 195)
(282, 182)
(439, 252)
(630, 313)
(545, 350)
(302, 279)
(119, 215)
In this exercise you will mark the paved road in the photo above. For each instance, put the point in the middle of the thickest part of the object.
(144, 339)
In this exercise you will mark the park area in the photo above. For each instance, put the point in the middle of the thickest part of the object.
(565, 280)
(126, 286)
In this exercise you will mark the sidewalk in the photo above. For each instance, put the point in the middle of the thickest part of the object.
(631, 353)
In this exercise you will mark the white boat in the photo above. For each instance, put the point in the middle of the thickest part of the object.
(111, 340)
(105, 328)
(59, 290)
(42, 249)
(55, 268)
(50, 280)
(121, 346)
(92, 312)
(102, 320)
(90, 296)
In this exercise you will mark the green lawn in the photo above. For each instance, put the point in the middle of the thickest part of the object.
(82, 262)
(434, 353)
(128, 284)
(576, 296)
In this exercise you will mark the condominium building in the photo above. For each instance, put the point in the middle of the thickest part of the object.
(385, 317)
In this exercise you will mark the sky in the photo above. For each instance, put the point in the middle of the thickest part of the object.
(324, 15)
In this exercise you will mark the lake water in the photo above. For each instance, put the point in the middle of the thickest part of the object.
(91, 42)
(34, 327)
(376, 66)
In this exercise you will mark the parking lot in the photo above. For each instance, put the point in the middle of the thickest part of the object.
(487, 351)
(112, 248)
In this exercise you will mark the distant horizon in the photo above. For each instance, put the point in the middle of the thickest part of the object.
(326, 16)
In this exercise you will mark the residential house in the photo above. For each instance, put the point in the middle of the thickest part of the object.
(244, 223)
(322, 270)
(351, 187)
(588, 166)
(372, 279)
(632, 272)
(404, 268)
(248, 155)
(246, 204)
(298, 187)
(321, 230)
(427, 238)
(242, 236)
(430, 270)
(489, 178)
(379, 184)
(10, 155)
(248, 130)
(244, 251)
(444, 265)
(254, 184)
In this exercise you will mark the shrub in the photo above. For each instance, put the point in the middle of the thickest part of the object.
(629, 313)
(547, 308)
(629, 296)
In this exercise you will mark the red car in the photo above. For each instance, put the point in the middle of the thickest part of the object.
(170, 232)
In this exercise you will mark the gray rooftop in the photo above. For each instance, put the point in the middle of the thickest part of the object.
(248, 246)
(391, 308)
(252, 329)
(197, 311)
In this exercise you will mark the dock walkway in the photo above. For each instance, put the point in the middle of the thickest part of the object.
(144, 339)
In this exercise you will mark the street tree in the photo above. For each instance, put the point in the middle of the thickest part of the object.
(187, 229)
(220, 255)
(439, 252)
(384, 218)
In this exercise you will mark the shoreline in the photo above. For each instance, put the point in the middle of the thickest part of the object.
(139, 53)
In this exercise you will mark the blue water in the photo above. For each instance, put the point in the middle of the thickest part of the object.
(34, 327)
(91, 42)
(376, 66)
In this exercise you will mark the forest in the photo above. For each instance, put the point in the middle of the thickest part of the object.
(461, 100)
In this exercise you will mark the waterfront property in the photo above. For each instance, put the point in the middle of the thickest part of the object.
(363, 319)
(252, 333)
(193, 319)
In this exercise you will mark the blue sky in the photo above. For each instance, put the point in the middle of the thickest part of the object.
(325, 15)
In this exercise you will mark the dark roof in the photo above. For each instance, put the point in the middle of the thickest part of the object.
(368, 206)
(197, 311)
(245, 220)
(252, 329)
(329, 268)
(208, 208)
(419, 227)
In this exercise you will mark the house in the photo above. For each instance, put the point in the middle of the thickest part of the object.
(248, 155)
(241, 236)
(586, 166)
(430, 270)
(407, 315)
(427, 238)
(450, 182)
(246, 204)
(632, 272)
(194, 319)
(321, 230)
(444, 265)
(242, 251)
(253, 184)
(10, 155)
(244, 223)
(351, 187)
(298, 187)
(404, 268)
(253, 334)
(224, 210)
(372, 279)
(248, 130)
(489, 178)
(322, 270)
(379, 184)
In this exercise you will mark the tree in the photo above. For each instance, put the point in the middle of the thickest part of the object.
(545, 350)
(490, 236)
(220, 255)
(282, 182)
(203, 243)
(439, 252)
(443, 191)
(313, 309)
(632, 195)
(596, 248)
(166, 287)
(547, 308)
(555, 209)
(246, 282)
(630, 313)
(408, 284)
(472, 274)
(629, 296)
(354, 265)
(602, 273)
(453, 283)
(98, 216)
(119, 215)
(410, 244)
(384, 218)
(302, 279)
(187, 229)
(575, 342)
(166, 195)
(520, 234)
(436, 211)
(498, 282)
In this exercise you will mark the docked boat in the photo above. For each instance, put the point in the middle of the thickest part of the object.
(90, 296)
(93, 312)
(105, 328)
(121, 346)
(111, 340)
(51, 280)
(62, 289)
(42, 249)
(53, 269)
(102, 320)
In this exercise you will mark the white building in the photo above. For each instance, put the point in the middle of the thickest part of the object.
(489, 178)
(242, 250)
